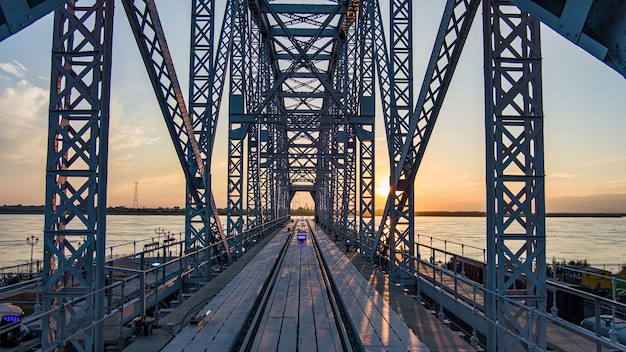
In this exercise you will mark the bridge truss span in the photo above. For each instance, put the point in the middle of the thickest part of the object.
(302, 83)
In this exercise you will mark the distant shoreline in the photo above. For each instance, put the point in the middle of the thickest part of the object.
(552, 215)
(34, 209)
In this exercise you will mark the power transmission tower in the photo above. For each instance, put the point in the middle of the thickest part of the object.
(136, 198)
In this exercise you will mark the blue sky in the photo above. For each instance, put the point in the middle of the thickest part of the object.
(584, 105)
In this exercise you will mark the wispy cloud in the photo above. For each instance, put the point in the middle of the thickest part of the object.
(14, 68)
(124, 136)
(23, 123)
(616, 186)
(561, 175)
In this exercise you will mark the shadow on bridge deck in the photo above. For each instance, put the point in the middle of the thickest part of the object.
(424, 323)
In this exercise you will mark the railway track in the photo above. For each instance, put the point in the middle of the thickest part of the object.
(285, 304)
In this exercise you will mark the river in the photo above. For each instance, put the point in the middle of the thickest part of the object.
(602, 241)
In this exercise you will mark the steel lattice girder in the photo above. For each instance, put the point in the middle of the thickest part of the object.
(146, 26)
(76, 174)
(515, 176)
(453, 31)
(399, 245)
(253, 91)
(237, 131)
(201, 219)
(364, 93)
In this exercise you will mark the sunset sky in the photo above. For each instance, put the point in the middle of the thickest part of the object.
(584, 107)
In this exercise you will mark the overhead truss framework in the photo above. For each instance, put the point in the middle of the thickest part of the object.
(301, 119)
(597, 26)
(16, 15)
(300, 114)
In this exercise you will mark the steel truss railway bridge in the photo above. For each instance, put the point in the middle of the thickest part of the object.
(303, 81)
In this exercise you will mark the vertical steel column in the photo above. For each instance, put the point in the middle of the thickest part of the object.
(253, 208)
(516, 257)
(237, 129)
(265, 175)
(198, 232)
(402, 215)
(365, 130)
(255, 74)
(76, 175)
(349, 191)
(325, 194)
(266, 79)
(273, 171)
(342, 156)
(209, 105)
(338, 140)
(349, 69)
(282, 171)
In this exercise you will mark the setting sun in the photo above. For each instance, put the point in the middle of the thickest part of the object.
(383, 188)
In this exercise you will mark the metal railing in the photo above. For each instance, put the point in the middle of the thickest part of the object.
(458, 295)
(150, 276)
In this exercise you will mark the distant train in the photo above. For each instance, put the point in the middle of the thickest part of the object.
(474, 270)
(302, 230)
(593, 279)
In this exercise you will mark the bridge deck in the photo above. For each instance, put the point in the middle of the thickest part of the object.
(298, 313)
(224, 315)
(380, 328)
(366, 285)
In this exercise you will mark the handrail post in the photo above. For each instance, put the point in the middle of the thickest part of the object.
(142, 293)
(613, 331)
(555, 309)
(462, 262)
(440, 314)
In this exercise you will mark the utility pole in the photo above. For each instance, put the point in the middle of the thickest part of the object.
(136, 198)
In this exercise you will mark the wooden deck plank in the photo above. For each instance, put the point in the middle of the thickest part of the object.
(278, 297)
(299, 315)
(288, 338)
(362, 298)
(325, 330)
(267, 339)
(293, 288)
(229, 308)
(306, 320)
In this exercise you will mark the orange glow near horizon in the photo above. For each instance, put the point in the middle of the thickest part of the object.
(383, 189)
